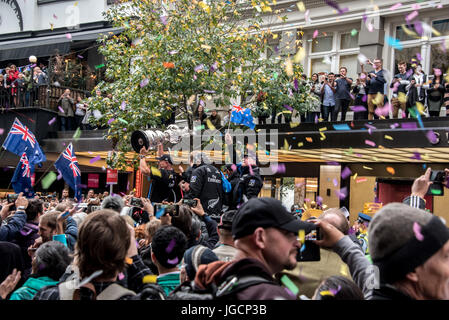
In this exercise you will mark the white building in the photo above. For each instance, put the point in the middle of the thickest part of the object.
(332, 40)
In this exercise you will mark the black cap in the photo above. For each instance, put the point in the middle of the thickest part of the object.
(226, 219)
(266, 213)
(185, 176)
(165, 157)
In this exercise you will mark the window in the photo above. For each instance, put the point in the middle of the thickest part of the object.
(438, 58)
(350, 62)
(348, 41)
(322, 44)
(406, 54)
(317, 66)
(402, 35)
(442, 26)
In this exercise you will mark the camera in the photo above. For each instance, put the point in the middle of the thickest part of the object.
(309, 250)
(11, 199)
(190, 202)
(437, 187)
(161, 209)
(136, 202)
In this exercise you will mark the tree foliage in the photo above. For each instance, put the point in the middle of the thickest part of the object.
(173, 53)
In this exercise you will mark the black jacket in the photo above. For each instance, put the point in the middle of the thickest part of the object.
(387, 292)
(234, 180)
(206, 185)
(249, 185)
(162, 187)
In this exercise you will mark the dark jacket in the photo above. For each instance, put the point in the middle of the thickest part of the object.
(249, 185)
(402, 87)
(25, 238)
(206, 185)
(9, 231)
(220, 271)
(376, 84)
(162, 187)
(212, 235)
(234, 180)
(387, 292)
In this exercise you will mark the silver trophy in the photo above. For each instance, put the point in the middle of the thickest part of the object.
(152, 137)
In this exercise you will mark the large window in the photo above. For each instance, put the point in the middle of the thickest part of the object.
(318, 65)
(442, 26)
(403, 32)
(438, 58)
(322, 44)
(348, 41)
(406, 54)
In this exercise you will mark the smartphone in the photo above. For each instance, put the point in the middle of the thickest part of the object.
(136, 202)
(190, 202)
(161, 209)
(12, 199)
(309, 251)
(437, 176)
(436, 189)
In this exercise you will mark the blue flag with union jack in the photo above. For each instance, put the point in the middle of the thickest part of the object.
(243, 116)
(21, 181)
(67, 164)
(20, 139)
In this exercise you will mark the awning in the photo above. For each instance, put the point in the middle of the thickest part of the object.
(46, 46)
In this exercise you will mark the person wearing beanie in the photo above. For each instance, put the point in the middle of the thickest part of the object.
(410, 247)
(194, 257)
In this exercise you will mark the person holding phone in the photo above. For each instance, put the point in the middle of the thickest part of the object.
(9, 231)
(328, 264)
(376, 83)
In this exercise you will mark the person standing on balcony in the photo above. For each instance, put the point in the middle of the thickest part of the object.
(12, 75)
(328, 92)
(80, 112)
(399, 85)
(342, 95)
(65, 111)
(376, 82)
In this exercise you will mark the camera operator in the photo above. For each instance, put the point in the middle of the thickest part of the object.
(162, 186)
(328, 92)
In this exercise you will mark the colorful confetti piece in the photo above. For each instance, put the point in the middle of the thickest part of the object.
(417, 231)
(53, 120)
(289, 284)
(150, 278)
(391, 170)
(346, 173)
(367, 168)
(48, 180)
(359, 180)
(94, 159)
(370, 143)
(173, 261)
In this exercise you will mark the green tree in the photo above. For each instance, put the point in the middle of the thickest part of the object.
(173, 53)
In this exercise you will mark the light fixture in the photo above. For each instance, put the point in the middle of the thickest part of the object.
(32, 59)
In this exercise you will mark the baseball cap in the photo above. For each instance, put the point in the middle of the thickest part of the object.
(266, 213)
(165, 157)
(226, 220)
(364, 217)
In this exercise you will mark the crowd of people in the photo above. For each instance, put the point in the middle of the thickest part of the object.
(20, 88)
(203, 234)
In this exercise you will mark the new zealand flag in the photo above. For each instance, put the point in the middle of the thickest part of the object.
(67, 164)
(20, 139)
(21, 181)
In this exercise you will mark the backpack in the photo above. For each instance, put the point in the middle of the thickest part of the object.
(68, 291)
(227, 290)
